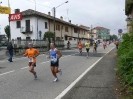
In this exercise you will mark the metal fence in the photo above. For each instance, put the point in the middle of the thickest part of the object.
(42, 45)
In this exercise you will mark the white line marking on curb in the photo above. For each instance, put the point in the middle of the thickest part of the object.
(7, 72)
(63, 93)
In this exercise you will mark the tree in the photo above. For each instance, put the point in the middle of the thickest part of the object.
(49, 35)
(112, 37)
(7, 31)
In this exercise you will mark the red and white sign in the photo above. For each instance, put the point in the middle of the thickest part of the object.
(15, 17)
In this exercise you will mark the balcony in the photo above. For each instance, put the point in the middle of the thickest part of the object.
(26, 30)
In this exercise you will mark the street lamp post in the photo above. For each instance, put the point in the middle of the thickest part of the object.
(35, 4)
(36, 20)
(54, 9)
(91, 31)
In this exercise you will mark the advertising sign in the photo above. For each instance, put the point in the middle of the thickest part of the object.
(15, 17)
(5, 10)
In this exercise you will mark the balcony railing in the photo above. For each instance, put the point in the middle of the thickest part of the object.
(26, 30)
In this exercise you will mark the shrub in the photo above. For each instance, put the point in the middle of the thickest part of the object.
(125, 60)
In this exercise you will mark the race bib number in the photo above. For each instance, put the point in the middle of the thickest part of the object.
(53, 59)
(31, 60)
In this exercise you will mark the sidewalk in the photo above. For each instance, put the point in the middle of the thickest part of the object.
(2, 54)
(98, 83)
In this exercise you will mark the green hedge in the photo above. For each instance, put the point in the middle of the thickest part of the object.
(125, 60)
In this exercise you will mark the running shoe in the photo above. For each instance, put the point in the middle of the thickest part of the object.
(35, 76)
(55, 80)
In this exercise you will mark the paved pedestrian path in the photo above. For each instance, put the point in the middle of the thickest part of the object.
(98, 83)
(2, 54)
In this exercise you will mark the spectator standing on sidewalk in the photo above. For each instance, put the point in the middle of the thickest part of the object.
(117, 44)
(68, 45)
(10, 51)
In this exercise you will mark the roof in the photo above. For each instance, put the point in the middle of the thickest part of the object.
(85, 27)
(100, 28)
(31, 12)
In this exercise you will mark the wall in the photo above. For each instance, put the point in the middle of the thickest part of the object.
(15, 32)
(33, 22)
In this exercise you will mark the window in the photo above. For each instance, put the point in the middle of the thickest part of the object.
(19, 38)
(75, 30)
(70, 38)
(58, 27)
(66, 29)
(58, 38)
(18, 24)
(46, 25)
(28, 38)
(66, 37)
(27, 24)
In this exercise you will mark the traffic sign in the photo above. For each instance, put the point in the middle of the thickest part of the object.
(120, 31)
(5, 10)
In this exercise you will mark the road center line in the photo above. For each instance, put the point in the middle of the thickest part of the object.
(7, 72)
(63, 93)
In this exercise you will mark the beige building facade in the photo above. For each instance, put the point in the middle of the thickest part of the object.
(34, 25)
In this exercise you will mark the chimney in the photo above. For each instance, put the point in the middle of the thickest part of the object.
(17, 10)
(61, 18)
(69, 21)
(49, 13)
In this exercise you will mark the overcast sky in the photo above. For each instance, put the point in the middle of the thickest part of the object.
(106, 13)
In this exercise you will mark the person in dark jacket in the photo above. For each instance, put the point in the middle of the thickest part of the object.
(10, 51)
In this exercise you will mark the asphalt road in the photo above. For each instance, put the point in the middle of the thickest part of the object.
(99, 82)
(17, 83)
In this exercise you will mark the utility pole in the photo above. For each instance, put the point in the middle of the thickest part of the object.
(91, 31)
(54, 10)
(36, 22)
(9, 20)
(54, 25)
(78, 33)
(0, 29)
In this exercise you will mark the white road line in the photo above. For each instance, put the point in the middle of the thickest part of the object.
(7, 72)
(15, 59)
(61, 58)
(24, 67)
(49, 60)
(44, 62)
(79, 78)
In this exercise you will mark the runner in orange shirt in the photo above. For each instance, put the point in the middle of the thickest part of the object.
(32, 53)
(80, 46)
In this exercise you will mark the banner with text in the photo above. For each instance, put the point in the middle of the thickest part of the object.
(5, 10)
(15, 17)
